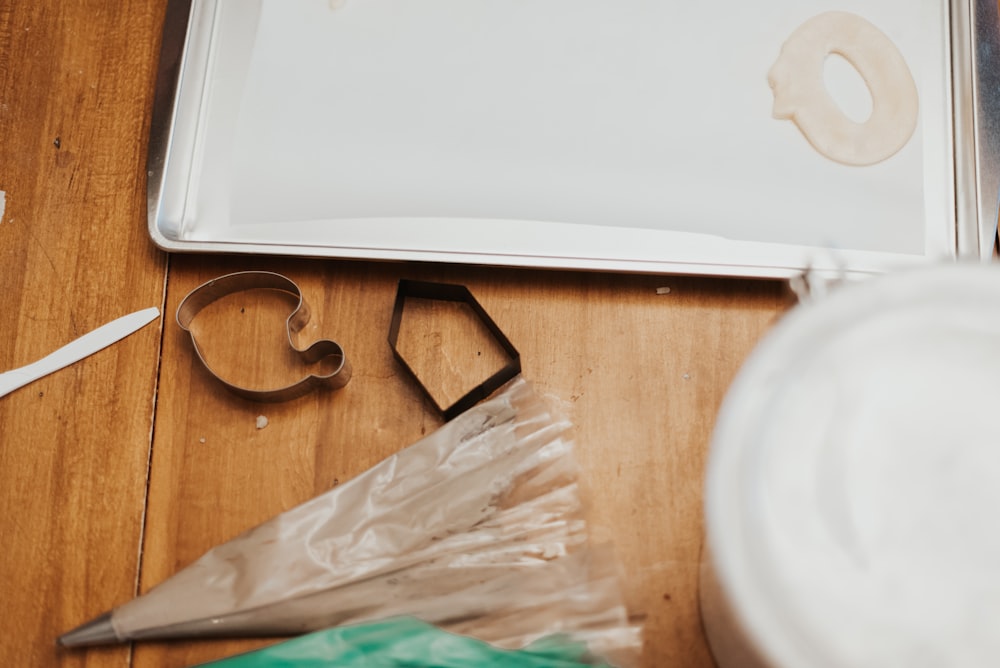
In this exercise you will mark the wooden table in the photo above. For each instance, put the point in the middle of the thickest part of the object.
(121, 469)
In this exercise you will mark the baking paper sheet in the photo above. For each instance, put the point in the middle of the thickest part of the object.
(480, 126)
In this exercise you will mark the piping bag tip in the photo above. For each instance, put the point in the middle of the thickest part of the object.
(98, 631)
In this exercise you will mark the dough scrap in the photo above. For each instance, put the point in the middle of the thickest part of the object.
(800, 92)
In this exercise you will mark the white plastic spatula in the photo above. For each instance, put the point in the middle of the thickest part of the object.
(76, 350)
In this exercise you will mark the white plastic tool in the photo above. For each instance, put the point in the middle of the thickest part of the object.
(76, 350)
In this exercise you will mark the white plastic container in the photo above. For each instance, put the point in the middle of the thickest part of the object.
(853, 492)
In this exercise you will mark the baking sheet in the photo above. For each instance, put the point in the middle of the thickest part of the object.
(633, 135)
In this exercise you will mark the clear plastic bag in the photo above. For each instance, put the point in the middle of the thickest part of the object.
(478, 528)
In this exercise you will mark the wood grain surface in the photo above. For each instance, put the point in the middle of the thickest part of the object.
(118, 471)
(74, 254)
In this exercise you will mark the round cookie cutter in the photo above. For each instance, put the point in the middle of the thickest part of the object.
(222, 286)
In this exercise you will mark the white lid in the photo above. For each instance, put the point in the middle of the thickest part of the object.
(853, 492)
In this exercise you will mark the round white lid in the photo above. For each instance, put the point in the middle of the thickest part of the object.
(853, 491)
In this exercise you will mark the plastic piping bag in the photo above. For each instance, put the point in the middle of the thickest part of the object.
(479, 525)
(408, 643)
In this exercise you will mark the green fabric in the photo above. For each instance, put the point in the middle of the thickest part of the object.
(407, 643)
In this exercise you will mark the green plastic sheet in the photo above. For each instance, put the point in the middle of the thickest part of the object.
(409, 643)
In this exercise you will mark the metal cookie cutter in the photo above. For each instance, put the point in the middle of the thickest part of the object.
(217, 288)
(453, 293)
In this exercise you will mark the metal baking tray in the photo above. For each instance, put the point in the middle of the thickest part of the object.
(627, 136)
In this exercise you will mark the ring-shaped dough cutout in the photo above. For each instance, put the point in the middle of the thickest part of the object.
(800, 92)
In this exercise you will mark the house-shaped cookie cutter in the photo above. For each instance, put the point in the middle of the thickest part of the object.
(453, 293)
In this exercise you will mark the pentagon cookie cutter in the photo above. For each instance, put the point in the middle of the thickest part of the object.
(222, 286)
(453, 293)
